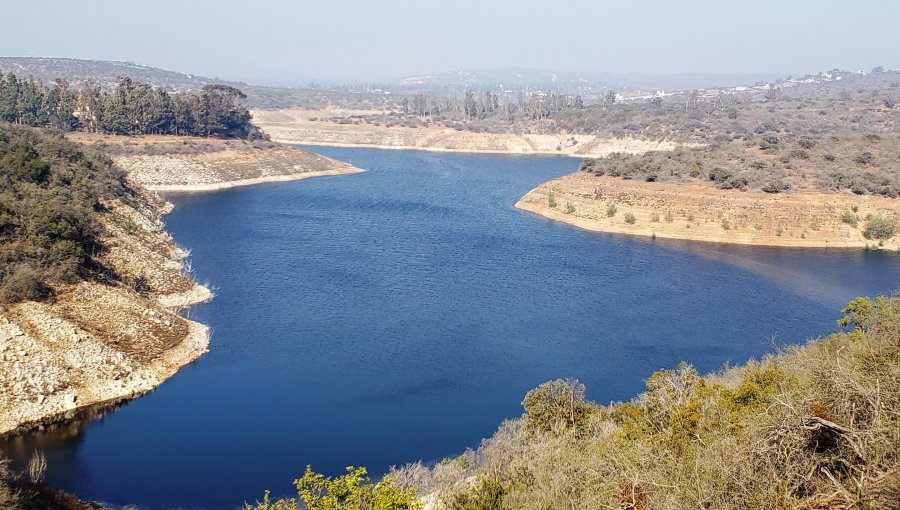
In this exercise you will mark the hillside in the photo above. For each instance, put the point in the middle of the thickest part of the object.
(91, 286)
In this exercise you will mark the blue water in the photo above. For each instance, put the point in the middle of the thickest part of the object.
(402, 313)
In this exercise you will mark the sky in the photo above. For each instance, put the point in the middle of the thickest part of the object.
(285, 40)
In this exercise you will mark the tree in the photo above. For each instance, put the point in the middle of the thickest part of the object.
(470, 106)
(554, 403)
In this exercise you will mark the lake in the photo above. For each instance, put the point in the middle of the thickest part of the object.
(402, 313)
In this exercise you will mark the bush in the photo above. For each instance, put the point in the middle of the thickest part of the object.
(23, 283)
(555, 403)
(879, 227)
(850, 219)
(630, 219)
(776, 186)
(611, 209)
(487, 495)
(354, 490)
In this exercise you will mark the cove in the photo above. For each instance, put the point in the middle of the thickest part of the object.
(402, 313)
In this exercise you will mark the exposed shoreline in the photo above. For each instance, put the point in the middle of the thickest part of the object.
(312, 127)
(698, 212)
(219, 186)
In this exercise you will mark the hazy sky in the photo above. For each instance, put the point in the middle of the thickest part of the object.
(370, 39)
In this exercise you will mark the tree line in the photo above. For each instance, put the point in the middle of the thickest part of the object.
(131, 108)
(485, 105)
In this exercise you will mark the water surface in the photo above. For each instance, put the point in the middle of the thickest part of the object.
(402, 313)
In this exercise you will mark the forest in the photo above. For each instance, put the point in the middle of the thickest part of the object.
(131, 108)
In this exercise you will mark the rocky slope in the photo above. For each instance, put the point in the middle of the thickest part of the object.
(96, 342)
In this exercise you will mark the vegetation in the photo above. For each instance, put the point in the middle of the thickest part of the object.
(18, 492)
(131, 108)
(352, 491)
(880, 228)
(815, 426)
(51, 195)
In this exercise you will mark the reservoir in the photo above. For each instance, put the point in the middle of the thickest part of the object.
(402, 313)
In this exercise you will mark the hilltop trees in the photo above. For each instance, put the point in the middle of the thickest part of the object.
(131, 108)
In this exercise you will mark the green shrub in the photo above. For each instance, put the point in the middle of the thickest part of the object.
(879, 227)
(352, 491)
(630, 219)
(551, 201)
(611, 209)
(570, 207)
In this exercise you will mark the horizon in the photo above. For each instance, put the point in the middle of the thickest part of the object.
(279, 41)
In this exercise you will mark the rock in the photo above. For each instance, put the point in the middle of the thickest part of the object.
(41, 399)
(70, 401)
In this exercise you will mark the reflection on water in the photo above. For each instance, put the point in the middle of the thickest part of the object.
(402, 313)
(799, 270)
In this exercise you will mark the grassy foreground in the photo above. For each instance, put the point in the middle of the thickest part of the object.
(811, 427)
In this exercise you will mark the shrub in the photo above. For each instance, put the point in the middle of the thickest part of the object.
(23, 283)
(866, 158)
(551, 200)
(611, 209)
(776, 186)
(630, 219)
(879, 227)
(850, 219)
(570, 207)
(555, 403)
(654, 217)
(487, 495)
(354, 490)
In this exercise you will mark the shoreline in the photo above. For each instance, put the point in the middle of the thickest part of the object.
(498, 152)
(697, 212)
(194, 345)
(220, 186)
(312, 127)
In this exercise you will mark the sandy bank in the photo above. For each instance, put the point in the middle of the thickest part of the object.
(188, 164)
(312, 127)
(697, 211)
(192, 188)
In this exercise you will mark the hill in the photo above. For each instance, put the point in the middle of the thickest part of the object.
(108, 74)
